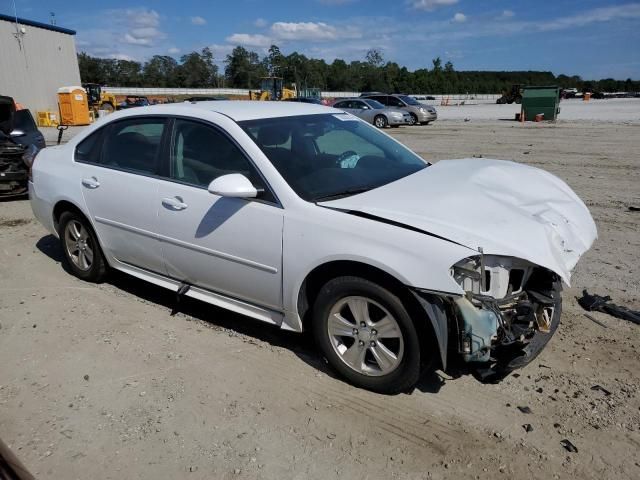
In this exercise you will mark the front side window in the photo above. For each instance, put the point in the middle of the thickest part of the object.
(331, 155)
(201, 153)
(134, 145)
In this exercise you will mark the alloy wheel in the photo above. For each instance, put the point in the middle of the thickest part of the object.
(78, 245)
(365, 336)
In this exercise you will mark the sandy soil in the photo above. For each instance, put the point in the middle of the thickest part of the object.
(102, 382)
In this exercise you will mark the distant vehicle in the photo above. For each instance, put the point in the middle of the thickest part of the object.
(374, 112)
(98, 99)
(511, 96)
(204, 99)
(20, 139)
(367, 94)
(305, 100)
(132, 101)
(420, 114)
(422, 98)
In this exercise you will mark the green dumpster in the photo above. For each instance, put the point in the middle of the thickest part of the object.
(541, 100)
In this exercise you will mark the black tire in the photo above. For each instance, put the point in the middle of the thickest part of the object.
(414, 119)
(108, 107)
(406, 373)
(380, 121)
(97, 270)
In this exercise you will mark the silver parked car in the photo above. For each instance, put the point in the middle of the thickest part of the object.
(374, 112)
(420, 113)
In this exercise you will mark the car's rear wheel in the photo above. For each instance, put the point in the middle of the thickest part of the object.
(367, 335)
(81, 250)
(380, 121)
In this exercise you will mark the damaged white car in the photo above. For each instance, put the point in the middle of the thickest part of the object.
(307, 218)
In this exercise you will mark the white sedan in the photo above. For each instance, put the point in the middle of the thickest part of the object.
(306, 217)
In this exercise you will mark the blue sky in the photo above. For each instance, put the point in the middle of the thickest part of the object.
(594, 39)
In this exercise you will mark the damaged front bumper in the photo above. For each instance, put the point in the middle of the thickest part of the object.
(13, 171)
(508, 313)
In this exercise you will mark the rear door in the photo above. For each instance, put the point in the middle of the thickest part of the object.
(120, 165)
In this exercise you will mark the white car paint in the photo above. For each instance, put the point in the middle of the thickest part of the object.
(504, 208)
(257, 262)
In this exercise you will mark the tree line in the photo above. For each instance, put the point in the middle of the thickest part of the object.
(243, 68)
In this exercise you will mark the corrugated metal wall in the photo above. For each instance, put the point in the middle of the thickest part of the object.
(32, 71)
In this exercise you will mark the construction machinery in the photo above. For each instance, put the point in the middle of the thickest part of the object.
(99, 99)
(271, 88)
(510, 96)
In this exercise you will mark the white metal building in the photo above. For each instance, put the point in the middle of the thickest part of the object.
(35, 60)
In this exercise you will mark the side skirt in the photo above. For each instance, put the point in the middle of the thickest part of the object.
(238, 306)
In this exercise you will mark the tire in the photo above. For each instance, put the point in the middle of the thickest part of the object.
(81, 252)
(414, 119)
(108, 107)
(385, 364)
(380, 121)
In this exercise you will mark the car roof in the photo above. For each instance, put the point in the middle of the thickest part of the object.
(238, 110)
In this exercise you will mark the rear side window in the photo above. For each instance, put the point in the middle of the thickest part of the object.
(341, 105)
(23, 120)
(88, 150)
(395, 102)
(134, 145)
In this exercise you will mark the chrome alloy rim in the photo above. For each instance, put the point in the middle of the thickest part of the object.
(366, 337)
(78, 244)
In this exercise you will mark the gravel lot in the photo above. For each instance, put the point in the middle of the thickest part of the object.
(100, 381)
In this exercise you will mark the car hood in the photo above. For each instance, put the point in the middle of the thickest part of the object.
(503, 207)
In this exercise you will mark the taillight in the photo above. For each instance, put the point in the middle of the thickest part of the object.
(29, 158)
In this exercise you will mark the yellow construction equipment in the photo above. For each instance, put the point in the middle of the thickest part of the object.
(99, 99)
(271, 88)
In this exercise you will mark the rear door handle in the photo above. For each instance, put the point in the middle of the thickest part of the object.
(175, 203)
(91, 182)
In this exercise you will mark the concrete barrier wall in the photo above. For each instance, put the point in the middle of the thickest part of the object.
(483, 98)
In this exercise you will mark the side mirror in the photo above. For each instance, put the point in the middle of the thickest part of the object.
(233, 185)
(17, 133)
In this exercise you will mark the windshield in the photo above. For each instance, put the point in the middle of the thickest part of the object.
(328, 156)
(374, 104)
(409, 100)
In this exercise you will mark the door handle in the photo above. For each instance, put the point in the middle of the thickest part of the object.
(91, 182)
(175, 203)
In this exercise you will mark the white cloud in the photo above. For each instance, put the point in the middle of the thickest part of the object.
(198, 21)
(507, 14)
(142, 26)
(606, 14)
(429, 5)
(120, 56)
(260, 22)
(459, 18)
(317, 31)
(173, 51)
(250, 40)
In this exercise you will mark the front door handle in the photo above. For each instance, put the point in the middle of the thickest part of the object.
(91, 182)
(174, 203)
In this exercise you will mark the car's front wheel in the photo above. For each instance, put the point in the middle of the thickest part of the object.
(81, 250)
(367, 335)
(380, 121)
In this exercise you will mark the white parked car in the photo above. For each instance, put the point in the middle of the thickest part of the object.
(307, 218)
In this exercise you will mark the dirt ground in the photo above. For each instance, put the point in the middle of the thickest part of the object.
(102, 382)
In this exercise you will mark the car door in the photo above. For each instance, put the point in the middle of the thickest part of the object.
(345, 105)
(227, 245)
(119, 167)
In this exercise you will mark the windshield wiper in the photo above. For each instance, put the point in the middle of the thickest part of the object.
(345, 193)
